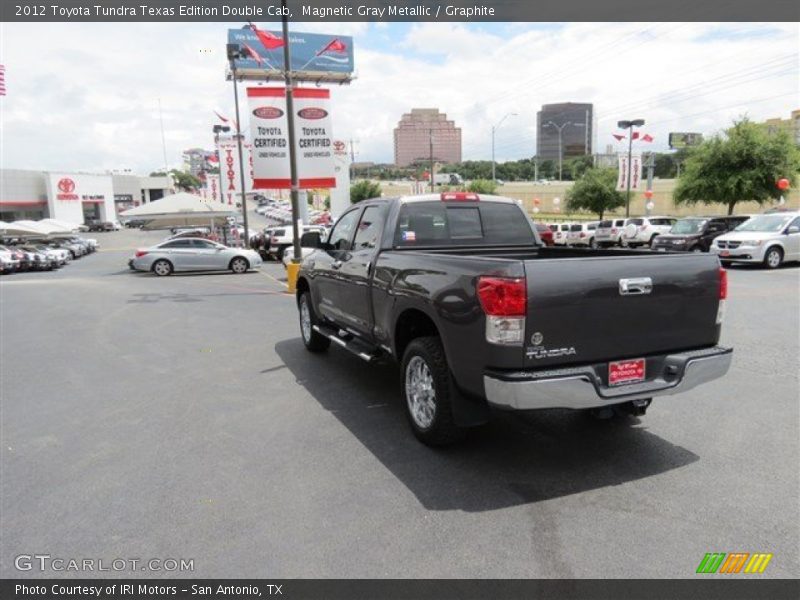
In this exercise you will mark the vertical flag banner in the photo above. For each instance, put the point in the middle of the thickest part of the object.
(213, 188)
(231, 181)
(269, 132)
(636, 172)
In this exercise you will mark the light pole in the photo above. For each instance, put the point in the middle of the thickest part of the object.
(629, 125)
(217, 130)
(234, 52)
(494, 129)
(560, 128)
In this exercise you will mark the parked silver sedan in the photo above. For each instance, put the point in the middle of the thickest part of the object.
(193, 254)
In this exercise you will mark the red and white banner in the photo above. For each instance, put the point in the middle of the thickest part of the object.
(212, 189)
(635, 170)
(229, 171)
(270, 135)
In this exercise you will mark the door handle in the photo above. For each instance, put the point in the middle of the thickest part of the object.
(635, 286)
(337, 264)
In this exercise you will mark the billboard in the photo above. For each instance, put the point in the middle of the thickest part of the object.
(683, 139)
(314, 56)
(270, 135)
(72, 196)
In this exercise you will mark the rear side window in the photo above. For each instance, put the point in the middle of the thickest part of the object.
(619, 223)
(604, 224)
(279, 232)
(637, 221)
(591, 227)
(576, 227)
(369, 228)
(444, 224)
(565, 228)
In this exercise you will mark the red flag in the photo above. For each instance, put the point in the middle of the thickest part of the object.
(635, 135)
(335, 45)
(212, 158)
(619, 136)
(269, 40)
(253, 54)
(647, 137)
(221, 118)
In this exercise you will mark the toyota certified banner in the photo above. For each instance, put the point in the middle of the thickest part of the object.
(270, 135)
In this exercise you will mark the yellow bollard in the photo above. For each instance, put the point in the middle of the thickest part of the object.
(292, 269)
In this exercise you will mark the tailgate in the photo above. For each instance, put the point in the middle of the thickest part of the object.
(592, 309)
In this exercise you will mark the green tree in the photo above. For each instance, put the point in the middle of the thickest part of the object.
(364, 190)
(743, 165)
(574, 168)
(184, 180)
(482, 186)
(596, 192)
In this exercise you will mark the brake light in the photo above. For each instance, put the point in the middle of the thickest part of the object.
(505, 302)
(583, 234)
(644, 226)
(723, 284)
(447, 196)
(140, 253)
(614, 230)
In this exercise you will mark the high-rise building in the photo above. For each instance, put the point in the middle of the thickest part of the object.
(574, 121)
(413, 134)
(196, 160)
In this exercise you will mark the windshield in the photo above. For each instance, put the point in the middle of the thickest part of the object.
(688, 226)
(768, 223)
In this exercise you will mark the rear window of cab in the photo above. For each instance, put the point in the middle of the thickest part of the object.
(440, 223)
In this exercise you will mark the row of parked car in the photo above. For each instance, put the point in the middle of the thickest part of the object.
(26, 254)
(280, 212)
(770, 238)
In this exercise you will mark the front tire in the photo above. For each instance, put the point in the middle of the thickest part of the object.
(773, 258)
(239, 265)
(314, 341)
(427, 389)
(162, 268)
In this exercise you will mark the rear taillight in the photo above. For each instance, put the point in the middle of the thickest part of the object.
(614, 230)
(140, 253)
(644, 226)
(723, 284)
(505, 302)
(583, 234)
(723, 294)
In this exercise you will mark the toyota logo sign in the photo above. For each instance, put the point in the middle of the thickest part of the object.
(66, 185)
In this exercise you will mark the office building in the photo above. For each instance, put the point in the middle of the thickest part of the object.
(574, 121)
(418, 129)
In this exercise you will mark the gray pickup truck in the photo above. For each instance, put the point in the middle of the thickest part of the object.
(459, 290)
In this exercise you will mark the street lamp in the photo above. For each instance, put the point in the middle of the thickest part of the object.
(560, 128)
(234, 52)
(629, 125)
(495, 128)
(217, 130)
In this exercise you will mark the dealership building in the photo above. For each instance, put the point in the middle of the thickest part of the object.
(74, 197)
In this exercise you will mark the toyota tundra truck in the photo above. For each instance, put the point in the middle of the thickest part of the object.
(458, 290)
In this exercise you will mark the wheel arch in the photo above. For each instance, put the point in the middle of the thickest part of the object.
(410, 324)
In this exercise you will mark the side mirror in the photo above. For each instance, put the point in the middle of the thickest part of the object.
(793, 229)
(311, 239)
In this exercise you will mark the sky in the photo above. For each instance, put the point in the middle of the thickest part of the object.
(85, 96)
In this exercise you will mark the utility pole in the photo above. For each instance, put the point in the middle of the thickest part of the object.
(163, 139)
(629, 125)
(430, 141)
(295, 185)
(536, 168)
(352, 158)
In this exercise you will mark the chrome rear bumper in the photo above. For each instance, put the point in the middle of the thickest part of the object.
(586, 387)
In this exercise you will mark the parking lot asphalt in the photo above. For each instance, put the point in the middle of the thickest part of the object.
(181, 417)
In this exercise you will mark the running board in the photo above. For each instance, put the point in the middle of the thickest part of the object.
(357, 347)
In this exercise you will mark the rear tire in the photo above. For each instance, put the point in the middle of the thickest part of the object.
(696, 249)
(162, 268)
(314, 341)
(773, 257)
(592, 244)
(427, 388)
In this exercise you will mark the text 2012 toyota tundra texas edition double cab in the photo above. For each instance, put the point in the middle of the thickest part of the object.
(459, 289)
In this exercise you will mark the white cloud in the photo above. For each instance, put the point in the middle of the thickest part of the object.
(85, 96)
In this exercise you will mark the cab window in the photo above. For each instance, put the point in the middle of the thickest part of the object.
(369, 228)
(342, 234)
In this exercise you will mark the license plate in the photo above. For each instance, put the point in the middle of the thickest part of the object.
(661, 249)
(725, 253)
(626, 371)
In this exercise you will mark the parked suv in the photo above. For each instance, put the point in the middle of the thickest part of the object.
(769, 239)
(609, 232)
(560, 232)
(695, 234)
(582, 234)
(642, 231)
(281, 238)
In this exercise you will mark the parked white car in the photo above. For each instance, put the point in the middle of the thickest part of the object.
(582, 234)
(609, 232)
(769, 239)
(642, 231)
(560, 232)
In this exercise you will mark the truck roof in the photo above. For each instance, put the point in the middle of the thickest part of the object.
(438, 197)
